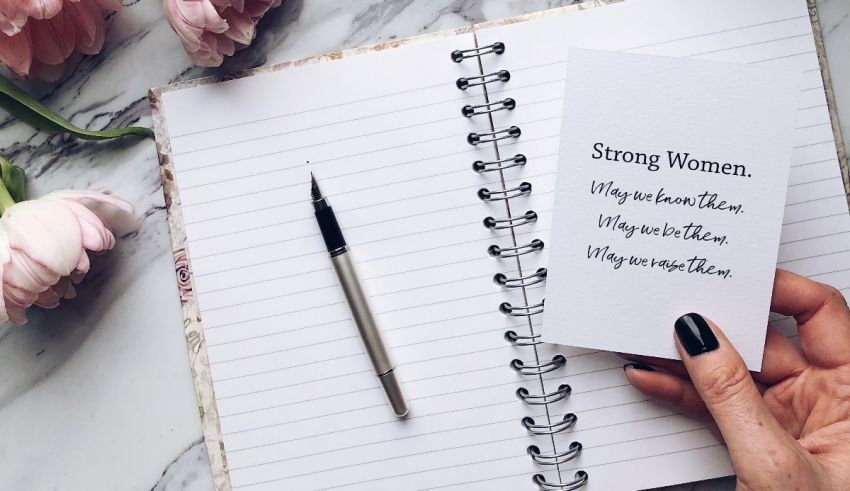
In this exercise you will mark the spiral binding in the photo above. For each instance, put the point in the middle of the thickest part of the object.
(493, 136)
(521, 310)
(566, 423)
(538, 276)
(490, 107)
(511, 222)
(523, 189)
(459, 55)
(557, 362)
(555, 458)
(535, 368)
(497, 251)
(517, 160)
(580, 480)
(464, 83)
(543, 399)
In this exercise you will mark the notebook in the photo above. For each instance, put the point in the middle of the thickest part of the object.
(403, 140)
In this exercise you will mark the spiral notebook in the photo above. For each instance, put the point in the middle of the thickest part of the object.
(439, 154)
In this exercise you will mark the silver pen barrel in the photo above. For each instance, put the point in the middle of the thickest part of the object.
(370, 332)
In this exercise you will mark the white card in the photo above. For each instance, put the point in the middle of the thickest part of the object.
(670, 194)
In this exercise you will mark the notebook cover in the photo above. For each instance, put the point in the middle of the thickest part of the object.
(192, 327)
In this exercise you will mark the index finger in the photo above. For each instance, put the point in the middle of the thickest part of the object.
(822, 315)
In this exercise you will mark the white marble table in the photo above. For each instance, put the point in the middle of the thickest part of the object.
(97, 394)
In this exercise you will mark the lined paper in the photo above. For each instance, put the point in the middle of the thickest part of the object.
(300, 406)
(816, 230)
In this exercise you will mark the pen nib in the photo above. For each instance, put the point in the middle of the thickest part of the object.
(315, 192)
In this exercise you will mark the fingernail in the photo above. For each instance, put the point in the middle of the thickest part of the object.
(639, 366)
(695, 334)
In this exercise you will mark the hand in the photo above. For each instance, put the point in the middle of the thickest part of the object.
(787, 427)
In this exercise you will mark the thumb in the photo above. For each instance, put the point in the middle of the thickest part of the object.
(723, 382)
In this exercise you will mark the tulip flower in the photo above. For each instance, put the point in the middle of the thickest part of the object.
(39, 38)
(45, 245)
(212, 29)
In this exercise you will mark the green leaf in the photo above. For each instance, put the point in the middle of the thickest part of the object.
(37, 115)
(14, 179)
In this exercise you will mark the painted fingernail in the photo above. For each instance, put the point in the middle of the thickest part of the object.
(695, 334)
(639, 366)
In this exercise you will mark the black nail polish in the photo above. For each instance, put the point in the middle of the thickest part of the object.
(639, 366)
(695, 334)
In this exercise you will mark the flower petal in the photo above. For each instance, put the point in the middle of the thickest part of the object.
(242, 27)
(12, 18)
(47, 231)
(89, 25)
(5, 257)
(16, 313)
(113, 5)
(16, 52)
(84, 264)
(24, 273)
(258, 8)
(115, 213)
(40, 9)
(47, 299)
(53, 40)
(95, 236)
(200, 13)
(189, 34)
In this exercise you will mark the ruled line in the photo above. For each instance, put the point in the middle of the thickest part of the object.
(361, 118)
(278, 188)
(642, 457)
(328, 341)
(419, 324)
(349, 138)
(281, 314)
(472, 203)
(461, 428)
(325, 379)
(756, 43)
(466, 464)
(731, 48)
(723, 31)
(443, 449)
(319, 108)
(513, 400)
(815, 237)
(814, 218)
(600, 408)
(832, 253)
(493, 237)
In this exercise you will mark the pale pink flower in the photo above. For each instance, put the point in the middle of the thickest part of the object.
(213, 29)
(44, 245)
(39, 37)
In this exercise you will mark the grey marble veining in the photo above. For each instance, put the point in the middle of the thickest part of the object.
(97, 394)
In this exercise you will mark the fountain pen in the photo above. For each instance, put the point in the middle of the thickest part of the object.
(357, 301)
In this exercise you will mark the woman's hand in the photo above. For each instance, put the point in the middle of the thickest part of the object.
(787, 427)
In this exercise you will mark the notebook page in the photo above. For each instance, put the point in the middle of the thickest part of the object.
(299, 403)
(641, 439)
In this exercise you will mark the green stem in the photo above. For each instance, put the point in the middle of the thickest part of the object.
(20, 104)
(5, 198)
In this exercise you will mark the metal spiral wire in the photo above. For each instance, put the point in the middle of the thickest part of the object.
(521, 281)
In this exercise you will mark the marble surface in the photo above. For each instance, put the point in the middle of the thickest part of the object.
(97, 394)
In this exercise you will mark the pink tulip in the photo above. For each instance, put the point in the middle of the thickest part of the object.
(39, 37)
(44, 244)
(213, 29)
